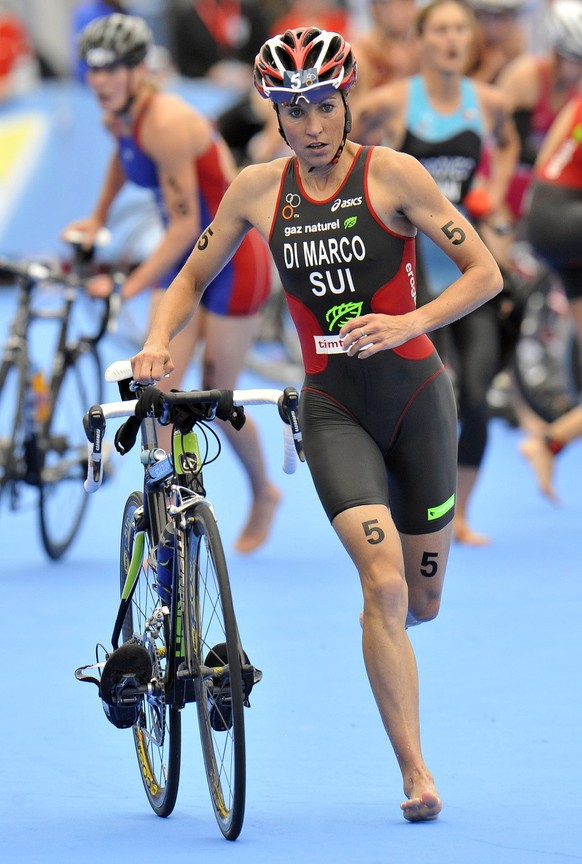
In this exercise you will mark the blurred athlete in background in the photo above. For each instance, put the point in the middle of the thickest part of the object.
(165, 145)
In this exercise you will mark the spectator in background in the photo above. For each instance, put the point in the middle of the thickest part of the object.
(19, 69)
(218, 40)
(211, 38)
(499, 37)
(326, 14)
(389, 48)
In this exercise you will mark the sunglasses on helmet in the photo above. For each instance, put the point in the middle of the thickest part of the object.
(303, 84)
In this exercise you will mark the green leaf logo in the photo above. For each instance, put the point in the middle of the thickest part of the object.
(338, 315)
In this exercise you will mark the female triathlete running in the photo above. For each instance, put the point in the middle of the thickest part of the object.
(377, 408)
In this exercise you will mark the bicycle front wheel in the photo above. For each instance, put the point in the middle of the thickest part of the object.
(63, 444)
(213, 650)
(157, 733)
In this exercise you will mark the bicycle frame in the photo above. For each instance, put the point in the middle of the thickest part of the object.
(16, 347)
(158, 492)
(42, 448)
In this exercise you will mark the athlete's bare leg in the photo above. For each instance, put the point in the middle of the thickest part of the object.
(370, 537)
(226, 341)
(467, 477)
(541, 460)
(566, 428)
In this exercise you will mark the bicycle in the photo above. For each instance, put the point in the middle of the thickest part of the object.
(176, 622)
(41, 443)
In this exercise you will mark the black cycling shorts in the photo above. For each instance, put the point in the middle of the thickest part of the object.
(388, 438)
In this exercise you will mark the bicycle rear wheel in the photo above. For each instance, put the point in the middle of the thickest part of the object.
(212, 640)
(63, 500)
(11, 402)
(546, 358)
(157, 733)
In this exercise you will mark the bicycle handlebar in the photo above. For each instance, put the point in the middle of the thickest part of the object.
(217, 403)
(33, 271)
(38, 271)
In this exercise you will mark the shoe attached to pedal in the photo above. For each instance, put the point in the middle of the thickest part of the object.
(220, 702)
(124, 675)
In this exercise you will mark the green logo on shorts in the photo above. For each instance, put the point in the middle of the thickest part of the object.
(437, 512)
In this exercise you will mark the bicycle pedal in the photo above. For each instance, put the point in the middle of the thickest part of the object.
(126, 671)
(131, 661)
(220, 711)
(219, 700)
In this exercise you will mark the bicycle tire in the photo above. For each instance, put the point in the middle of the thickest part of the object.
(63, 449)
(209, 622)
(546, 361)
(157, 734)
(12, 389)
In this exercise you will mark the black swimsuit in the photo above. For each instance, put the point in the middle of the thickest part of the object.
(376, 431)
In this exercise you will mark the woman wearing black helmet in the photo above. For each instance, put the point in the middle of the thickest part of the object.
(377, 409)
(165, 145)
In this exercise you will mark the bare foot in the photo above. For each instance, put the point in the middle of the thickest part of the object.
(463, 534)
(541, 460)
(425, 807)
(259, 522)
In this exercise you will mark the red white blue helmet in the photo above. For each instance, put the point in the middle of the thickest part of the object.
(306, 62)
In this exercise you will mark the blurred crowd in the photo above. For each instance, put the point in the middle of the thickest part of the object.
(219, 39)
(199, 34)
